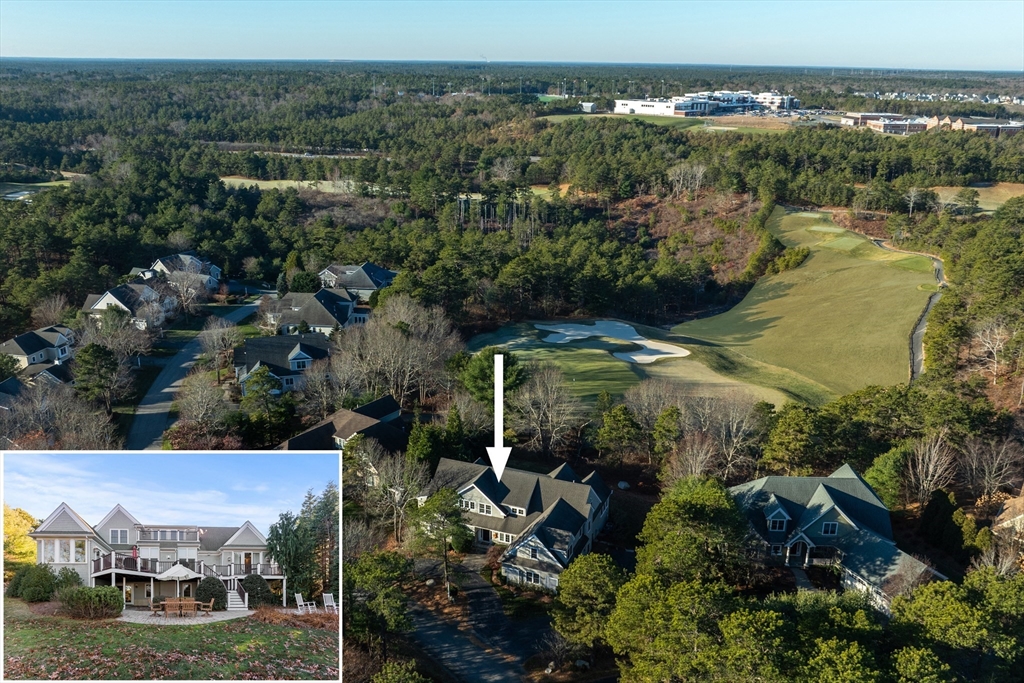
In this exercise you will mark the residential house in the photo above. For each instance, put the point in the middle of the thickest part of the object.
(835, 520)
(1010, 519)
(287, 357)
(361, 281)
(53, 344)
(143, 303)
(325, 311)
(121, 551)
(377, 420)
(543, 520)
(10, 389)
(188, 262)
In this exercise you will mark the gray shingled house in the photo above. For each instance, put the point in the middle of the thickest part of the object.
(834, 520)
(324, 311)
(544, 520)
(286, 357)
(361, 280)
(121, 551)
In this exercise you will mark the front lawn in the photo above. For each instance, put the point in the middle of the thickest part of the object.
(44, 647)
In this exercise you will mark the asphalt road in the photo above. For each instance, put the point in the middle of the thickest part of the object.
(152, 413)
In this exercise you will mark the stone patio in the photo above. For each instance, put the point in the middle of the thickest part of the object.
(146, 617)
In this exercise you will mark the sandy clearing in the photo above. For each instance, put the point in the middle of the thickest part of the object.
(652, 350)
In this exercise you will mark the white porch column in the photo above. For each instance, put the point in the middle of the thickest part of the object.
(284, 592)
(152, 590)
(124, 588)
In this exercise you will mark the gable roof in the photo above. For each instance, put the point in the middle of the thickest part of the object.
(185, 261)
(10, 389)
(246, 526)
(64, 509)
(117, 508)
(214, 537)
(344, 424)
(1011, 511)
(131, 295)
(276, 352)
(58, 373)
(325, 308)
(366, 276)
(379, 409)
(806, 498)
(35, 341)
(554, 505)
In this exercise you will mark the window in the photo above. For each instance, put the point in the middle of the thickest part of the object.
(79, 551)
(472, 505)
(485, 509)
(49, 553)
(776, 550)
(149, 593)
(533, 553)
(301, 364)
(65, 551)
(776, 525)
(128, 594)
(502, 537)
(119, 536)
(532, 577)
(830, 528)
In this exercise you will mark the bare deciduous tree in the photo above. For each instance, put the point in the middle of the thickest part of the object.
(49, 311)
(912, 197)
(694, 457)
(989, 466)
(646, 401)
(392, 483)
(266, 315)
(505, 169)
(544, 408)
(320, 390)
(992, 336)
(116, 331)
(688, 175)
(200, 401)
(931, 466)
(190, 286)
(52, 416)
(358, 537)
(1005, 556)
(219, 336)
(178, 241)
(734, 430)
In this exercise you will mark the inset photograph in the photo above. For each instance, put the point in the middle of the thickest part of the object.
(210, 565)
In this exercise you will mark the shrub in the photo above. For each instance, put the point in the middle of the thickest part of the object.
(67, 578)
(212, 588)
(38, 583)
(395, 672)
(101, 602)
(14, 587)
(258, 590)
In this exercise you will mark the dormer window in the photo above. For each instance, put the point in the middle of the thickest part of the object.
(776, 525)
(300, 364)
(830, 528)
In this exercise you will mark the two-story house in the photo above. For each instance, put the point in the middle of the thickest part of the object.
(143, 303)
(362, 281)
(324, 311)
(121, 551)
(286, 357)
(42, 354)
(544, 520)
(834, 520)
(188, 262)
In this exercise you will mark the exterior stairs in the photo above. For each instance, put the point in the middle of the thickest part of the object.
(234, 602)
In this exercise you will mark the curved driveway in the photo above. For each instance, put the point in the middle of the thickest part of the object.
(152, 413)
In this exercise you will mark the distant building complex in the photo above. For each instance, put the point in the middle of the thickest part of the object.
(905, 125)
(708, 103)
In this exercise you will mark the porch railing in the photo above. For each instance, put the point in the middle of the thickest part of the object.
(126, 562)
(242, 594)
(168, 536)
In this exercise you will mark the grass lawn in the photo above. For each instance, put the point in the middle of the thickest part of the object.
(7, 188)
(674, 121)
(325, 186)
(38, 647)
(590, 367)
(990, 195)
(838, 323)
(247, 326)
(739, 129)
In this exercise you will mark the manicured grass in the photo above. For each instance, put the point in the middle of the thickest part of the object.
(590, 367)
(990, 196)
(248, 328)
(7, 188)
(739, 129)
(674, 121)
(839, 322)
(37, 647)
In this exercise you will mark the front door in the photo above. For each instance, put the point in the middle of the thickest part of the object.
(248, 562)
(483, 536)
(796, 552)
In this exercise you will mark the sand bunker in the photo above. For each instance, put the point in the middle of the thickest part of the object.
(651, 351)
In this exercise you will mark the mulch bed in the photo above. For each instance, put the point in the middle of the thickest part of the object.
(44, 609)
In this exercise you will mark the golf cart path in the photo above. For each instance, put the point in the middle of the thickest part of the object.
(152, 413)
(917, 335)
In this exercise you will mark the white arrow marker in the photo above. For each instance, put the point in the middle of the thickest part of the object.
(499, 453)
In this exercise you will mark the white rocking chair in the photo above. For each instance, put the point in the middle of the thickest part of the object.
(329, 605)
(310, 607)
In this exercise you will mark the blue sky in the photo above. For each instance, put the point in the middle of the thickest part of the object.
(167, 487)
(974, 35)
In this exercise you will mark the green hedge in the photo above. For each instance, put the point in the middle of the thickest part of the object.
(102, 602)
(38, 584)
(212, 588)
(258, 591)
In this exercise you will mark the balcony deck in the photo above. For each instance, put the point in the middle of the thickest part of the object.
(122, 562)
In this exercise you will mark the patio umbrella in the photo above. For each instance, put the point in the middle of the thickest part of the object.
(178, 572)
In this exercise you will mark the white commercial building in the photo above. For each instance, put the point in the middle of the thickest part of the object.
(660, 107)
(707, 102)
